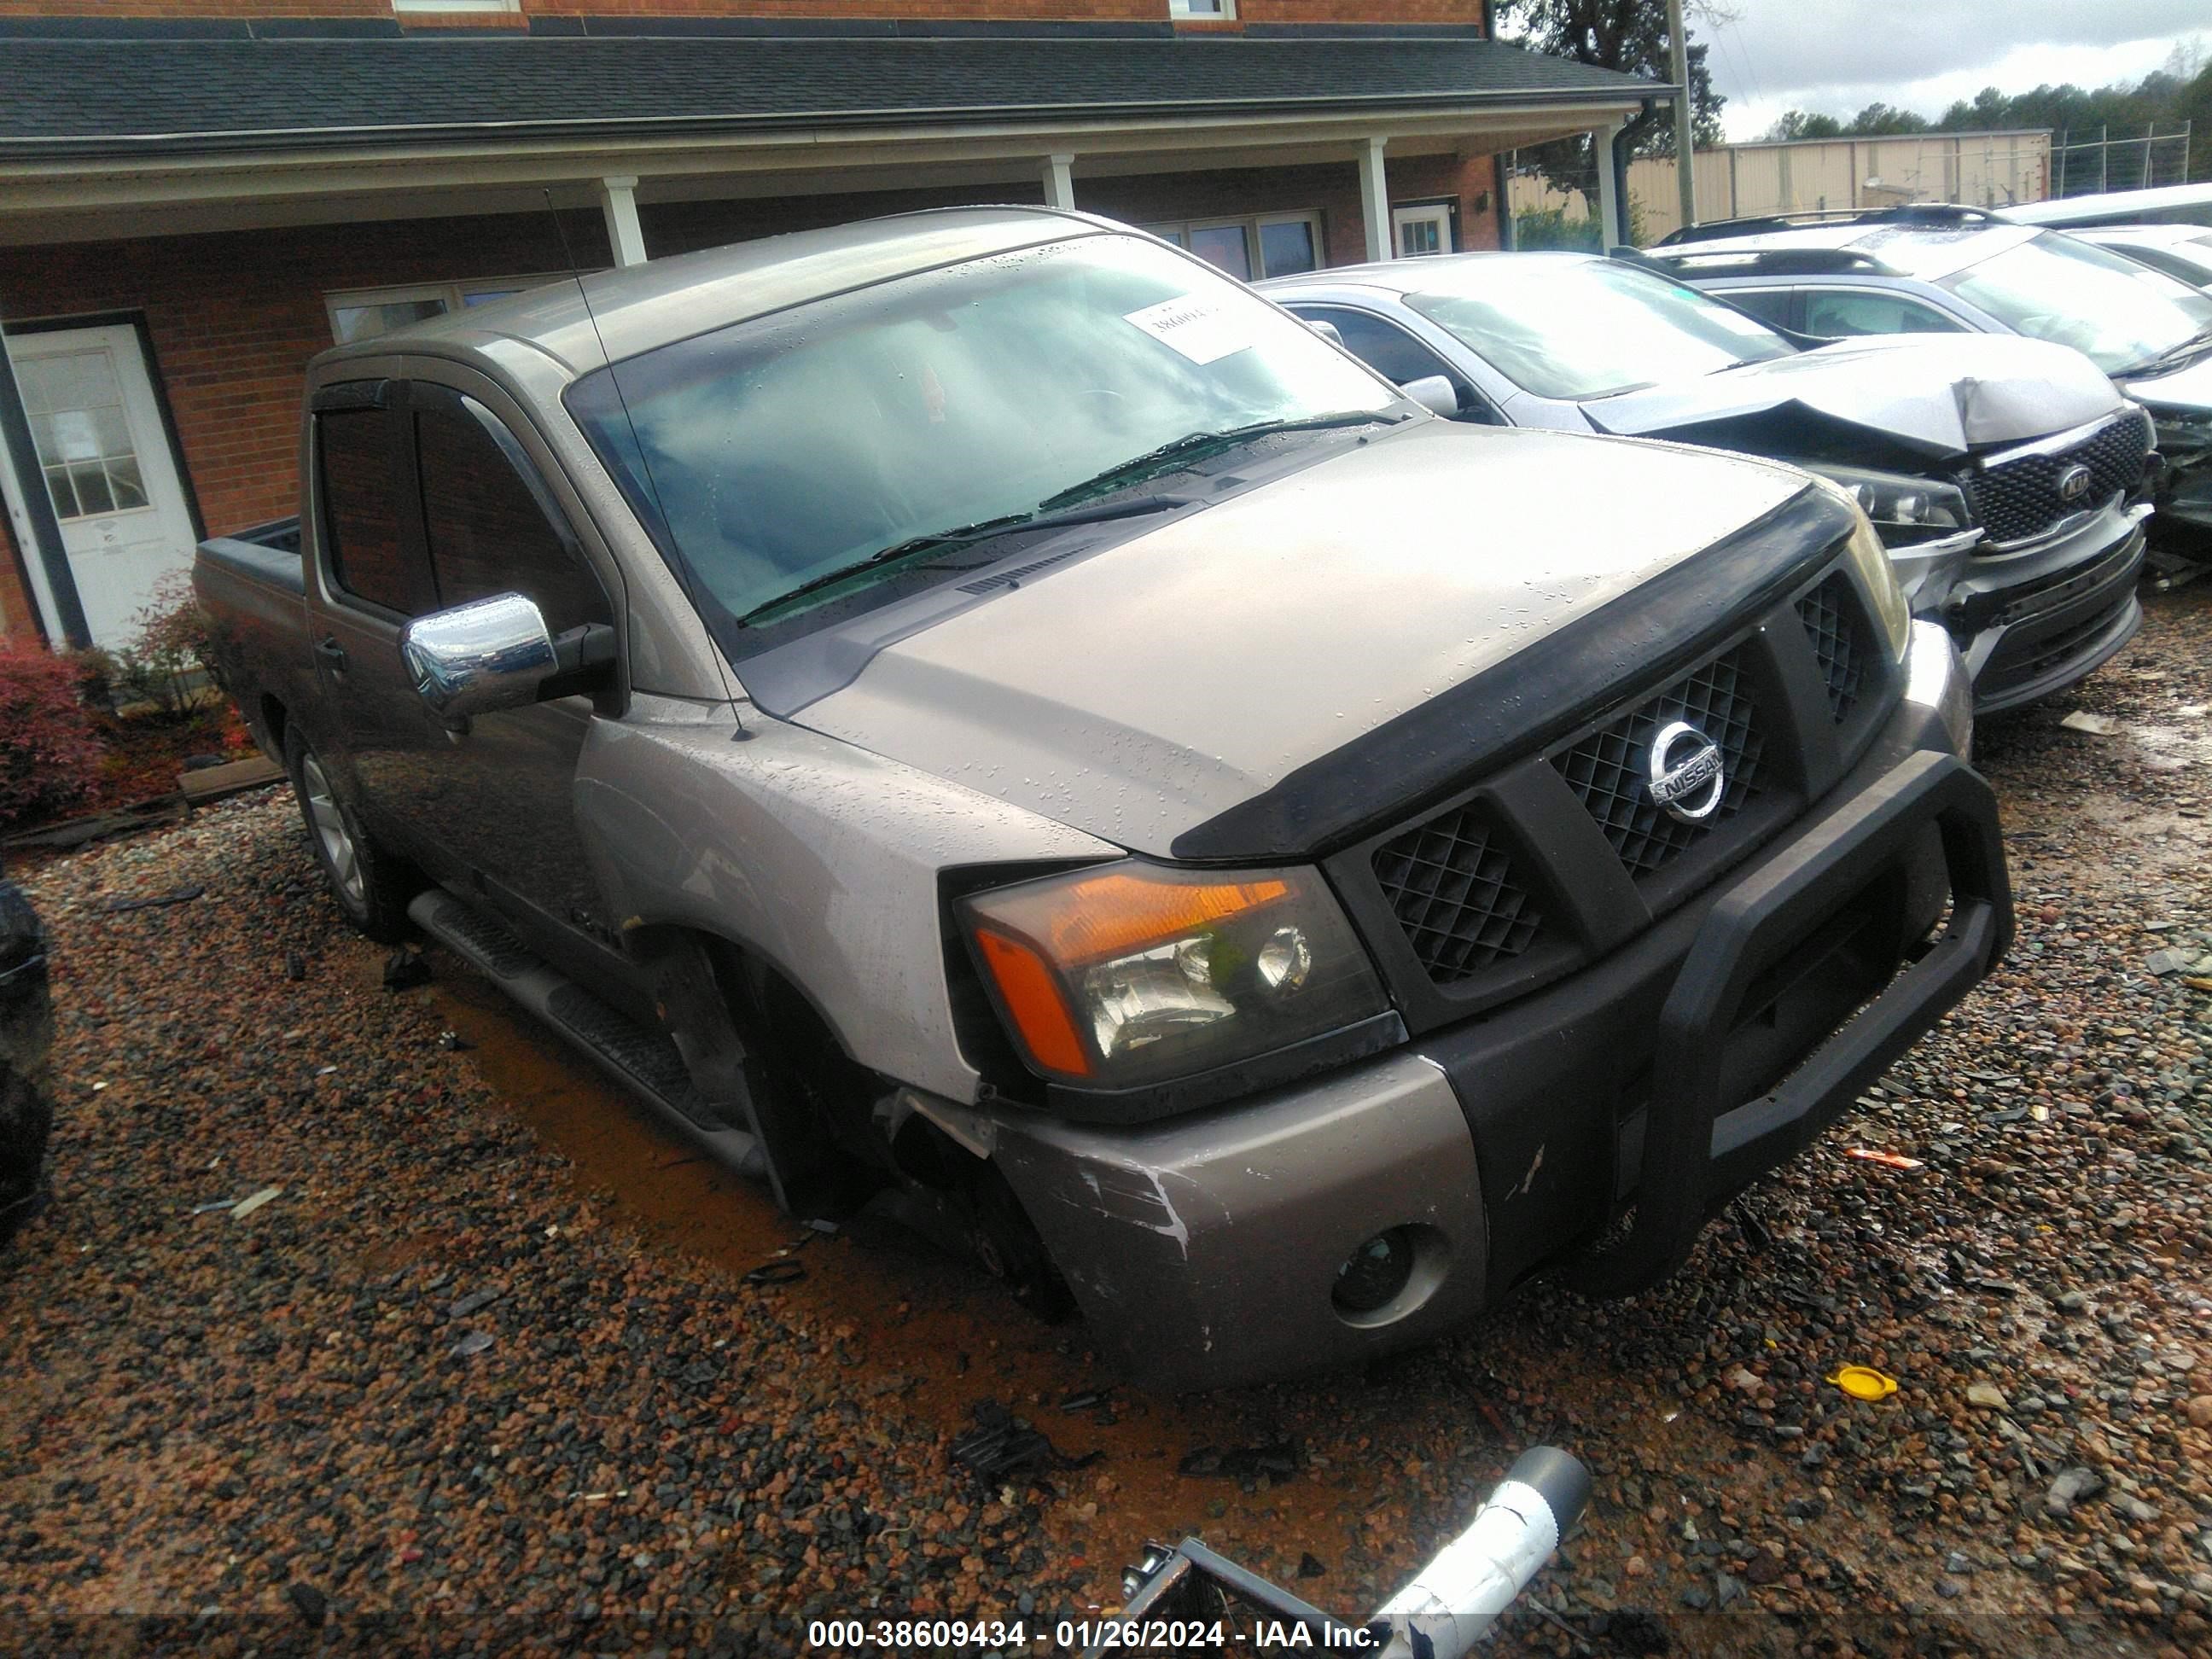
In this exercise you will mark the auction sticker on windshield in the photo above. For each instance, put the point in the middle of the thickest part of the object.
(1201, 329)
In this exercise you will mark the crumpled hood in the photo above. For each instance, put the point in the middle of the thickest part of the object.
(1941, 394)
(1155, 684)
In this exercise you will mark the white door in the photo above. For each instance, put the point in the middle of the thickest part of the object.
(105, 458)
(1422, 230)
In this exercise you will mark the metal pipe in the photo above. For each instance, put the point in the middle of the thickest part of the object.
(1453, 1602)
(1685, 144)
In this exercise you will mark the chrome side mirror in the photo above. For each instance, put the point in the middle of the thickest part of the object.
(479, 658)
(1435, 393)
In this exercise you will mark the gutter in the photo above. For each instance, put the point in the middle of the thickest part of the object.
(591, 127)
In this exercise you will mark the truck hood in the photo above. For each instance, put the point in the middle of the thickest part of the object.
(1155, 685)
(1940, 395)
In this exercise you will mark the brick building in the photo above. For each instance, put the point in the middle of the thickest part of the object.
(197, 195)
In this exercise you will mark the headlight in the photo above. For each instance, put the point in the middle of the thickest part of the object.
(1127, 973)
(2179, 436)
(1903, 508)
(1871, 560)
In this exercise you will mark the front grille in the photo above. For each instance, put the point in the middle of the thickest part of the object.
(1833, 623)
(1450, 884)
(2017, 499)
(2040, 598)
(1609, 769)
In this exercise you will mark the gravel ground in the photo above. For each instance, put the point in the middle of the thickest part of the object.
(487, 1374)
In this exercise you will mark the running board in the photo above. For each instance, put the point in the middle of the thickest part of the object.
(642, 1060)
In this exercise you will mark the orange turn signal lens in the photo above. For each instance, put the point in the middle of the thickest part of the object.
(1112, 914)
(1033, 1001)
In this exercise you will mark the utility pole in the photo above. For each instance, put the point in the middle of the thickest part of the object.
(1686, 153)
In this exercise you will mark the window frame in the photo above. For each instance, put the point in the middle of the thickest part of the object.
(1181, 12)
(401, 8)
(1179, 231)
(427, 397)
(453, 296)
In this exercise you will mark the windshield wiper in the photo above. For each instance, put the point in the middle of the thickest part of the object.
(1193, 445)
(964, 535)
(2175, 355)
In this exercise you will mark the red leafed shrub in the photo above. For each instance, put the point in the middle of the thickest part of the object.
(49, 757)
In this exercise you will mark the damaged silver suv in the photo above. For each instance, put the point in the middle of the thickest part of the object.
(979, 706)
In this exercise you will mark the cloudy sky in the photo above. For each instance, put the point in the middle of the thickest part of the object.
(1835, 57)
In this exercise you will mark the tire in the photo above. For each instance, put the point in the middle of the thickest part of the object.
(371, 886)
(27, 1117)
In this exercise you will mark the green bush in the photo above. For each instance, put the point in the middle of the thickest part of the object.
(1544, 228)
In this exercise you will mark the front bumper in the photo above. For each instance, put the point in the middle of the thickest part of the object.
(1204, 1250)
(2033, 622)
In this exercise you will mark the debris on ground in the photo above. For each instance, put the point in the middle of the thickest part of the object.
(404, 970)
(1888, 1160)
(246, 1206)
(1002, 1446)
(1279, 1459)
(122, 907)
(2096, 725)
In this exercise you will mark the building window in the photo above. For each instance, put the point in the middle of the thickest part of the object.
(1202, 9)
(1266, 245)
(367, 312)
(403, 6)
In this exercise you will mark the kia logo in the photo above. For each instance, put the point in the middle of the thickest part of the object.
(2074, 483)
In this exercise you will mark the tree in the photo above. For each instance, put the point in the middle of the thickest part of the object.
(1796, 124)
(1627, 35)
(1880, 120)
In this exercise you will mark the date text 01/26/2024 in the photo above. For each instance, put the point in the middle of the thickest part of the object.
(1080, 1635)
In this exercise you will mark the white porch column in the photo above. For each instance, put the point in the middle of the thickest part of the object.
(1375, 201)
(625, 234)
(1612, 219)
(1060, 181)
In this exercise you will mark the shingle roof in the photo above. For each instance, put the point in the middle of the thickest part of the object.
(80, 96)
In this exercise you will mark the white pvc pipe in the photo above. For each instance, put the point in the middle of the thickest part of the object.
(1455, 1599)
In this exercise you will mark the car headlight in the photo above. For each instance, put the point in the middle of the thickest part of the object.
(1125, 974)
(1869, 561)
(2179, 436)
(1903, 508)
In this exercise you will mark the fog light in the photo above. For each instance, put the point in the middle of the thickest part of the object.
(1373, 1275)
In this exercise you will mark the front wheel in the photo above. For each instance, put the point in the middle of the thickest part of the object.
(370, 884)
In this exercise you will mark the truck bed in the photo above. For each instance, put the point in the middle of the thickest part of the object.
(253, 585)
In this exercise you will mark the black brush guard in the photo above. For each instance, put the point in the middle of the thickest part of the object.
(1698, 1148)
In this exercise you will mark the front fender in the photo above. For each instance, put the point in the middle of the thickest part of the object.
(820, 857)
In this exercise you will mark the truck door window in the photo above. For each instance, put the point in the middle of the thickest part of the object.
(1846, 311)
(488, 529)
(1394, 355)
(369, 556)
